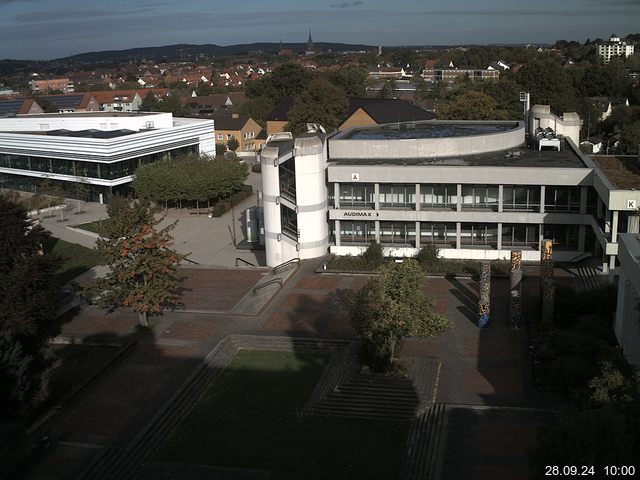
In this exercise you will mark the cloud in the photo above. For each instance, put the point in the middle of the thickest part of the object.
(356, 3)
(528, 12)
(618, 3)
(7, 2)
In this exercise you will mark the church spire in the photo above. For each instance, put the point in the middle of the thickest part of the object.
(310, 45)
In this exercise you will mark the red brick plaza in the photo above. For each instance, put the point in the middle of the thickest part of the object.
(145, 367)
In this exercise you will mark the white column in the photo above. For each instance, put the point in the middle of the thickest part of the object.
(458, 235)
(417, 197)
(500, 200)
(376, 196)
(500, 233)
(377, 222)
(418, 234)
(542, 201)
(459, 197)
(614, 227)
(337, 229)
(336, 195)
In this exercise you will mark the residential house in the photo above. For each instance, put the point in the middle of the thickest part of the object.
(118, 100)
(277, 118)
(19, 106)
(210, 105)
(38, 85)
(387, 73)
(242, 128)
(374, 111)
(605, 105)
(73, 102)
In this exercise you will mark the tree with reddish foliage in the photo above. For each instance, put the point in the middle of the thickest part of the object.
(143, 266)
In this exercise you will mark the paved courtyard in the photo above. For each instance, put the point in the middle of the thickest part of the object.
(480, 368)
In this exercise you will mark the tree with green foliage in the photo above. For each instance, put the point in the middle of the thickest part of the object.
(143, 267)
(233, 144)
(471, 105)
(630, 141)
(287, 80)
(221, 148)
(388, 308)
(192, 178)
(353, 80)
(27, 305)
(388, 89)
(150, 103)
(322, 102)
(549, 84)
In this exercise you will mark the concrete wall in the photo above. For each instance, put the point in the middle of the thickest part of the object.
(568, 125)
(454, 174)
(344, 148)
(627, 322)
(84, 121)
(311, 196)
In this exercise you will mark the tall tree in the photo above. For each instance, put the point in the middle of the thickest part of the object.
(27, 304)
(390, 307)
(143, 273)
(470, 105)
(322, 102)
(548, 84)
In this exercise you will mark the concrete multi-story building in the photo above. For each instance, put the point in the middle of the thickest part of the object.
(476, 190)
(98, 149)
(627, 323)
(614, 48)
(451, 74)
(63, 85)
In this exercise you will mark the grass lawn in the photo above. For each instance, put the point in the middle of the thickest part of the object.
(92, 226)
(250, 418)
(76, 259)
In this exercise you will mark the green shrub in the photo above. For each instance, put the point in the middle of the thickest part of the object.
(427, 257)
(257, 168)
(372, 256)
(571, 372)
(220, 208)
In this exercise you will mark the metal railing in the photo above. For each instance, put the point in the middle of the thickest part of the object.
(238, 259)
(286, 264)
(578, 258)
(265, 284)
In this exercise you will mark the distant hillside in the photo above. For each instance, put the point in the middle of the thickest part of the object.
(186, 51)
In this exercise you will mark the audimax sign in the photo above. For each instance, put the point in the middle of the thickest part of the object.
(360, 214)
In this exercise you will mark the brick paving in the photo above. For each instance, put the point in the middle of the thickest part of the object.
(219, 290)
(478, 366)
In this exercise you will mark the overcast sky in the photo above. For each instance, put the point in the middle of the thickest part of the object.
(45, 29)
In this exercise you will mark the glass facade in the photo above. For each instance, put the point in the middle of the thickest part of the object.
(562, 199)
(289, 221)
(443, 234)
(397, 196)
(439, 196)
(80, 168)
(360, 195)
(521, 198)
(480, 196)
(287, 172)
(521, 236)
(357, 233)
(479, 235)
(564, 237)
(401, 234)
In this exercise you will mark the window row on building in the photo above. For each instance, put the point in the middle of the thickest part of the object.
(446, 196)
(445, 235)
(79, 168)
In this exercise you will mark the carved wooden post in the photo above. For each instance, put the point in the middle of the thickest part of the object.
(484, 302)
(515, 300)
(547, 286)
